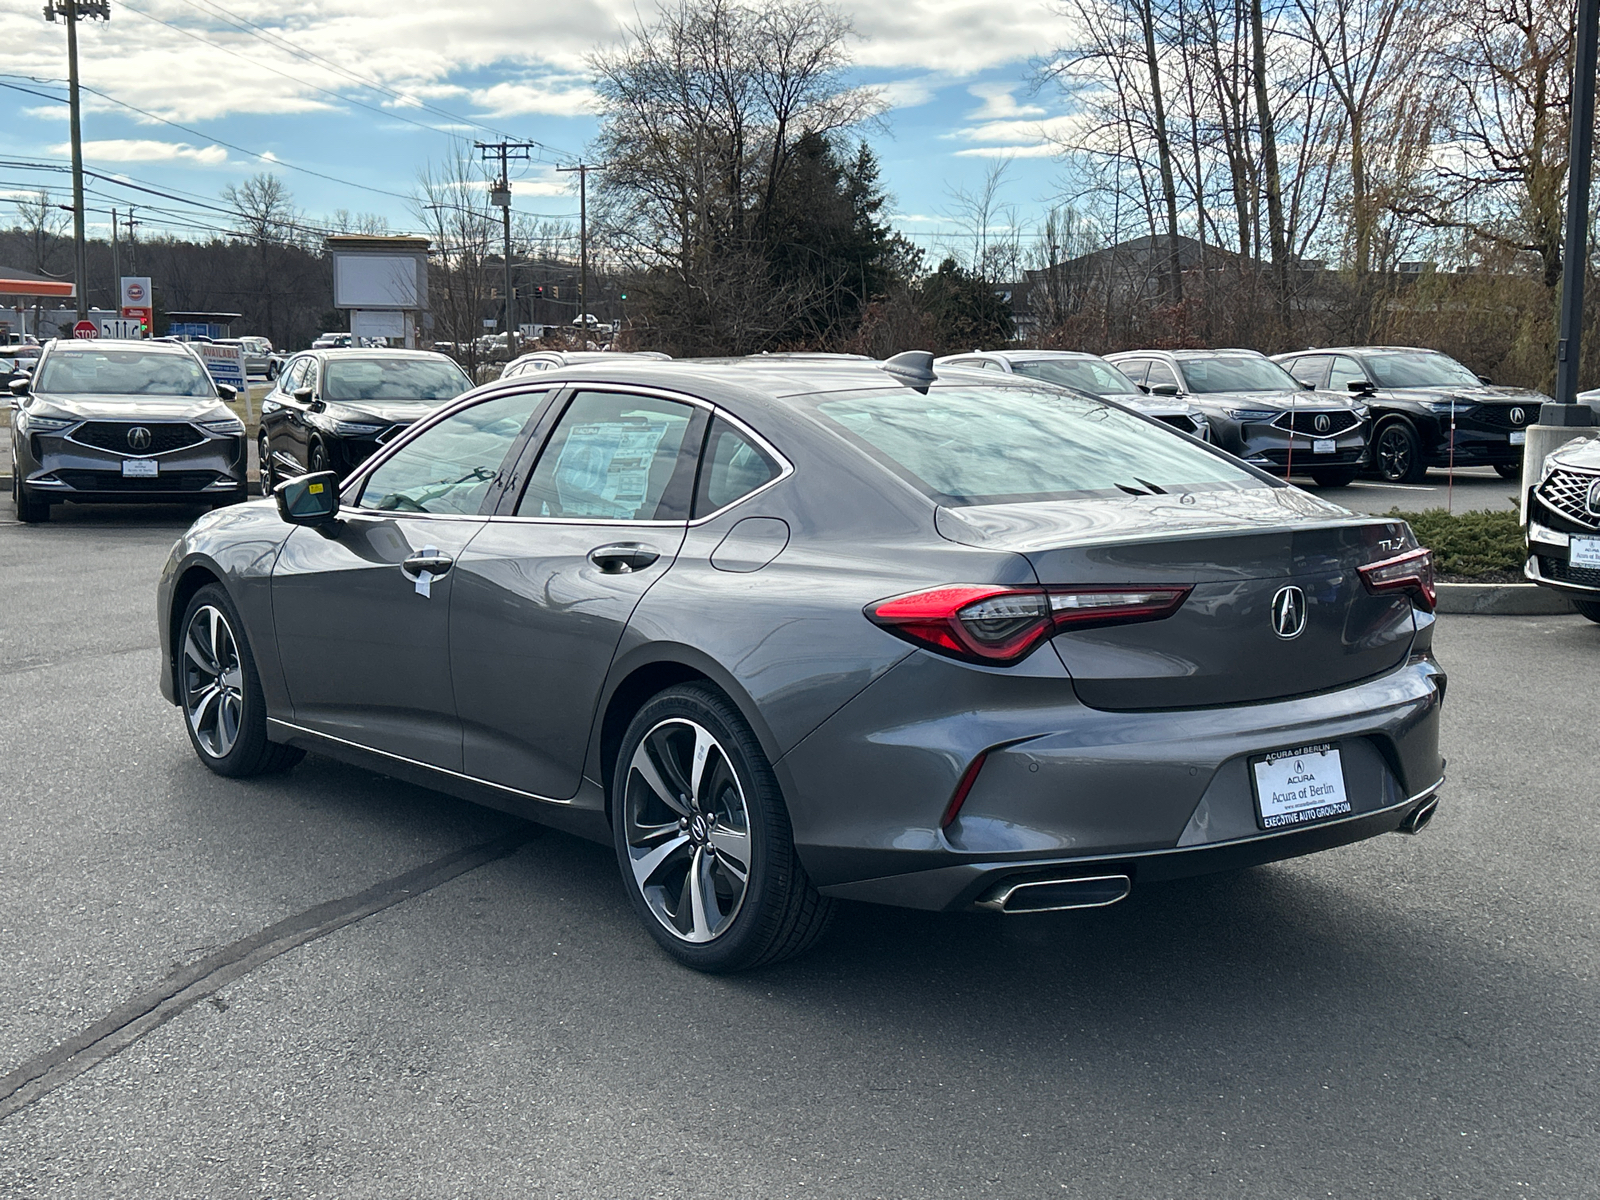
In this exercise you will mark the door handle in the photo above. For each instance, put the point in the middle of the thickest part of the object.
(622, 558)
(429, 560)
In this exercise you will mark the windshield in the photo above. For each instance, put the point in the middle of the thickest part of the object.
(1085, 374)
(1418, 368)
(1235, 373)
(393, 379)
(989, 445)
(121, 372)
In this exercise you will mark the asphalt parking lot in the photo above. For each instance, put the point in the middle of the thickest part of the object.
(1403, 1017)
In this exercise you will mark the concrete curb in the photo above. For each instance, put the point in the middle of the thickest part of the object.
(1502, 600)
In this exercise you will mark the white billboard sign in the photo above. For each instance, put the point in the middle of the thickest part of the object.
(375, 281)
(378, 323)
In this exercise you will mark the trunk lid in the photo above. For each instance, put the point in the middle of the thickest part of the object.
(1237, 549)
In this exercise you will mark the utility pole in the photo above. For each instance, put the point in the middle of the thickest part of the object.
(582, 170)
(133, 246)
(500, 197)
(116, 265)
(72, 11)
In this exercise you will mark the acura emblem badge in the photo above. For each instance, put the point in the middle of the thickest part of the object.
(1518, 416)
(1322, 423)
(139, 438)
(1289, 612)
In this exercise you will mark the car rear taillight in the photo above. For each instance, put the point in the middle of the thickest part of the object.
(1003, 625)
(1411, 572)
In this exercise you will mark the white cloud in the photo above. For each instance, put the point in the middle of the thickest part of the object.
(1000, 103)
(1038, 150)
(908, 93)
(147, 150)
(961, 37)
(527, 97)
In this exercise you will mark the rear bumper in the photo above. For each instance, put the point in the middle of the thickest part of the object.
(967, 885)
(1066, 788)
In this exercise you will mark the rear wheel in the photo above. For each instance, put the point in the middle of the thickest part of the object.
(1334, 476)
(1589, 608)
(220, 690)
(1508, 470)
(1397, 453)
(703, 838)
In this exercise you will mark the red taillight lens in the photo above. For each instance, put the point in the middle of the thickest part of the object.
(1003, 625)
(1410, 572)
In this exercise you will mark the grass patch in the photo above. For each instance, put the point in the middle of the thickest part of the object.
(1470, 545)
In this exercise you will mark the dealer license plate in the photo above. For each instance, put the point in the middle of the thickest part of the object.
(1519, 437)
(1323, 446)
(140, 468)
(1585, 552)
(1299, 786)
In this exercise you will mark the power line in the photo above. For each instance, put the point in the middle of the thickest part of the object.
(276, 40)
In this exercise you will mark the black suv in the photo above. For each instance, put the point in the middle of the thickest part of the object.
(1257, 412)
(1414, 396)
(330, 409)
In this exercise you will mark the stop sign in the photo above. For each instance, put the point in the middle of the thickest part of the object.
(85, 329)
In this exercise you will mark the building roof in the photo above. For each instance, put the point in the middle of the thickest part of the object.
(25, 283)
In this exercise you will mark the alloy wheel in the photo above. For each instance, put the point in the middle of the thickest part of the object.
(687, 828)
(213, 681)
(269, 477)
(1394, 453)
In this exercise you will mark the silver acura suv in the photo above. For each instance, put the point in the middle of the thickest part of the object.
(115, 421)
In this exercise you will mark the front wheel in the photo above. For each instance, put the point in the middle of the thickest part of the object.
(1508, 470)
(220, 691)
(29, 510)
(1589, 608)
(269, 475)
(317, 459)
(703, 838)
(1332, 477)
(1397, 453)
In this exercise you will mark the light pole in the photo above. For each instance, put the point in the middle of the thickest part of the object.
(72, 11)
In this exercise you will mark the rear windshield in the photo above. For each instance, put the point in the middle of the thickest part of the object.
(1235, 373)
(994, 445)
(130, 372)
(1418, 369)
(1085, 374)
(392, 379)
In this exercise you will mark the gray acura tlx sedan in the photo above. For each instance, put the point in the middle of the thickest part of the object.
(789, 631)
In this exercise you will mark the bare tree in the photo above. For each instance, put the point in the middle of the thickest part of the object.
(451, 202)
(701, 113)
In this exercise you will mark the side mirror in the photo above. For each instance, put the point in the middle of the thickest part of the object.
(228, 392)
(1485, 379)
(308, 499)
(302, 394)
(1163, 389)
(1363, 386)
(1308, 384)
(21, 385)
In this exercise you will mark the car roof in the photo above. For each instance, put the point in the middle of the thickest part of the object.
(337, 353)
(1360, 350)
(79, 346)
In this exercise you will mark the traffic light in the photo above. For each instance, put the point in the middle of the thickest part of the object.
(624, 295)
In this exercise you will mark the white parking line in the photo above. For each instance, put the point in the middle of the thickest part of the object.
(1397, 487)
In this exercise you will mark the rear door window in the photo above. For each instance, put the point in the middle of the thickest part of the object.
(731, 467)
(1310, 368)
(1345, 372)
(1134, 368)
(616, 456)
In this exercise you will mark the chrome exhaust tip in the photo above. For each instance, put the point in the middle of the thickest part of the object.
(1055, 895)
(1417, 819)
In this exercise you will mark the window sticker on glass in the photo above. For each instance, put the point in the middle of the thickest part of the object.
(604, 469)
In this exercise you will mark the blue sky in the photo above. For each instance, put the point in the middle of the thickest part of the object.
(348, 101)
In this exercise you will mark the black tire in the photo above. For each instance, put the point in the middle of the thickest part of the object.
(229, 664)
(777, 914)
(1589, 608)
(1333, 477)
(1508, 470)
(1397, 453)
(30, 511)
(317, 459)
(269, 475)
